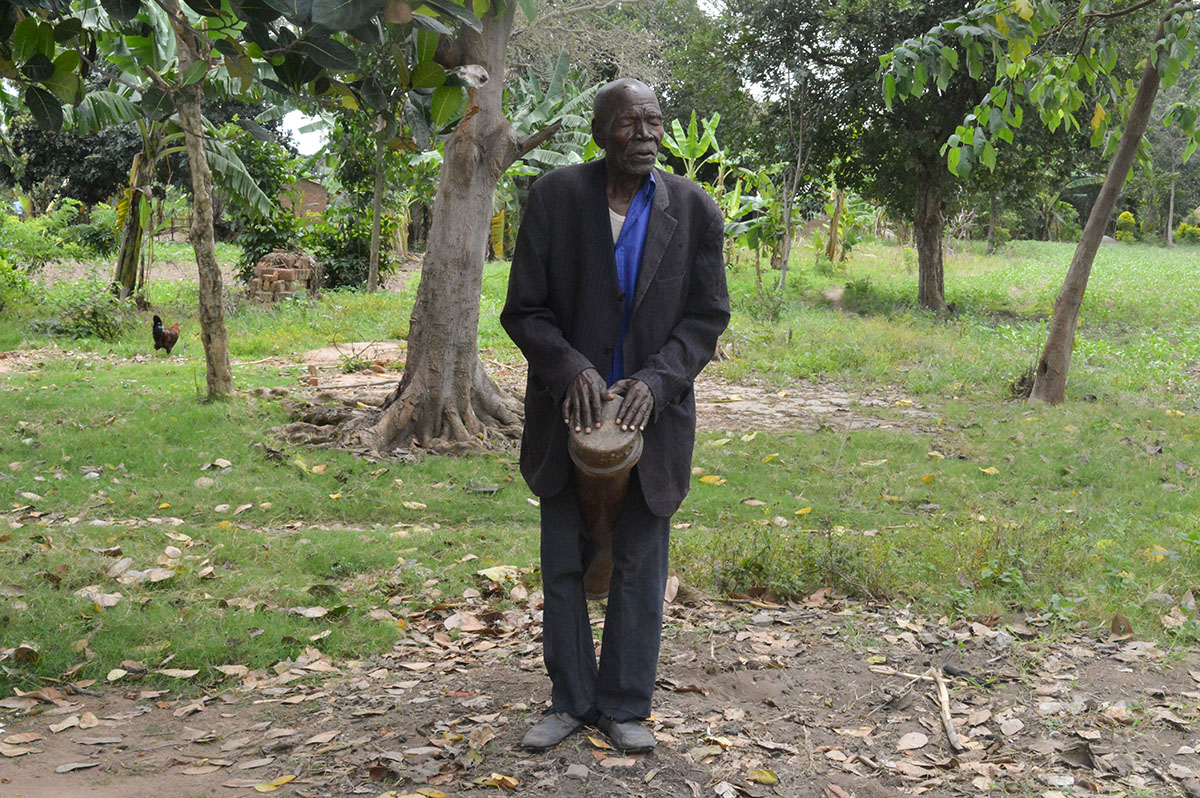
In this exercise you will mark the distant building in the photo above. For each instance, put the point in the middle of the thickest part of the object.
(313, 198)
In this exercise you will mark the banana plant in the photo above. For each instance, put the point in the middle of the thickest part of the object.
(692, 145)
(134, 98)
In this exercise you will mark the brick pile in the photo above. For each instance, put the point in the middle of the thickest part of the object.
(283, 275)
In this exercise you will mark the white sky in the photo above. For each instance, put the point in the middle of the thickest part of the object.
(307, 143)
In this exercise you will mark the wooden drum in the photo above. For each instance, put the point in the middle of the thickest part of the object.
(603, 459)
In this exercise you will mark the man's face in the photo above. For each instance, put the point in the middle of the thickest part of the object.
(634, 131)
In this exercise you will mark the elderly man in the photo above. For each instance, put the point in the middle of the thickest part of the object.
(617, 289)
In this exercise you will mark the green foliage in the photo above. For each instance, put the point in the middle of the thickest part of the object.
(273, 169)
(15, 285)
(1187, 233)
(98, 235)
(84, 308)
(341, 242)
(1064, 87)
(1127, 228)
(33, 242)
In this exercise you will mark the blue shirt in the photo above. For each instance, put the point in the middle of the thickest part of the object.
(628, 252)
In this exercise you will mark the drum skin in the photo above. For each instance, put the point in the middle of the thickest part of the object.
(603, 459)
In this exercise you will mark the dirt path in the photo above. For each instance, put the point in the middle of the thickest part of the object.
(721, 404)
(829, 698)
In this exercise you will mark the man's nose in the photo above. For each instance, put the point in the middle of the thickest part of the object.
(641, 129)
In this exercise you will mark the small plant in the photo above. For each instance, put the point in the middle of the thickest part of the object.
(1127, 228)
(354, 363)
(1059, 608)
(82, 309)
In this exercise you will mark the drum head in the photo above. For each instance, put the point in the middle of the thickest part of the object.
(608, 449)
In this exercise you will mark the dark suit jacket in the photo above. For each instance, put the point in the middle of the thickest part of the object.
(564, 311)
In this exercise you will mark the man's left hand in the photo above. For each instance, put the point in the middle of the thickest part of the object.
(637, 405)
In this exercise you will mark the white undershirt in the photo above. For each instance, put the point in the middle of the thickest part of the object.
(616, 221)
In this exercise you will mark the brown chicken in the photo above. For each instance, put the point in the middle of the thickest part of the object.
(164, 338)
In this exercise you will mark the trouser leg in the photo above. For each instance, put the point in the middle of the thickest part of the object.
(633, 620)
(567, 645)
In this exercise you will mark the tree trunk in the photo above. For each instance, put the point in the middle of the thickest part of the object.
(376, 216)
(125, 281)
(929, 222)
(835, 224)
(1171, 216)
(212, 312)
(991, 233)
(789, 204)
(1050, 377)
(445, 399)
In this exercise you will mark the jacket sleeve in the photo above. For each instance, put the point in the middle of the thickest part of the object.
(527, 316)
(669, 373)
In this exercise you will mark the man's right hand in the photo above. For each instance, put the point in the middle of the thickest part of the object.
(585, 394)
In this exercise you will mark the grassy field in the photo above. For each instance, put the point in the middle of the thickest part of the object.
(1072, 513)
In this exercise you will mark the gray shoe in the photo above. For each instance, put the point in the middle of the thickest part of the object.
(550, 731)
(630, 736)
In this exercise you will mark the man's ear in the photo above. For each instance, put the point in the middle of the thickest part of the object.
(599, 133)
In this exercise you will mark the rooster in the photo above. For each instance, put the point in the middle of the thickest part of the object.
(164, 338)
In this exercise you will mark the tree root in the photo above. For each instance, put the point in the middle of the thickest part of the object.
(488, 419)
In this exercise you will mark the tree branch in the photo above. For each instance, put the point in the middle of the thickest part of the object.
(586, 8)
(523, 146)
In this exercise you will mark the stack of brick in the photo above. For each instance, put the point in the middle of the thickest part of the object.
(283, 275)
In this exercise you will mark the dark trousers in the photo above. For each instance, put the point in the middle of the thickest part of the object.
(622, 685)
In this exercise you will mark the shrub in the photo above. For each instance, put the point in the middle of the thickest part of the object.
(85, 308)
(1127, 230)
(15, 285)
(1187, 233)
(30, 244)
(342, 245)
(98, 234)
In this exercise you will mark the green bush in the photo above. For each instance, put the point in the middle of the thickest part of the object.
(1127, 229)
(85, 308)
(98, 234)
(273, 168)
(15, 285)
(30, 244)
(1187, 233)
(342, 245)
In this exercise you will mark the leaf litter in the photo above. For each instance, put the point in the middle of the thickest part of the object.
(756, 697)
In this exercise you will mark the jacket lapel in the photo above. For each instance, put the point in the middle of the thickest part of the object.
(658, 235)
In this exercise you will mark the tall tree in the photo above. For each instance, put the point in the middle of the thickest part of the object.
(445, 398)
(823, 58)
(1030, 72)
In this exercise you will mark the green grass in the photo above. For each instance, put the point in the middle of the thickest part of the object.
(1092, 509)
(1137, 335)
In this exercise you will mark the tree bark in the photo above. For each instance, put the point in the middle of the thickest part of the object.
(929, 223)
(219, 375)
(445, 399)
(1050, 377)
(376, 216)
(991, 233)
(1171, 216)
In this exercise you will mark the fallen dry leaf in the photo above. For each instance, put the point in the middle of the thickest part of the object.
(912, 741)
(64, 724)
(69, 766)
(272, 786)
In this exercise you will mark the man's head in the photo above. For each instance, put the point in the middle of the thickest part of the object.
(628, 124)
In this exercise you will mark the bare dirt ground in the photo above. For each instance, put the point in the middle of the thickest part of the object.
(721, 404)
(827, 698)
